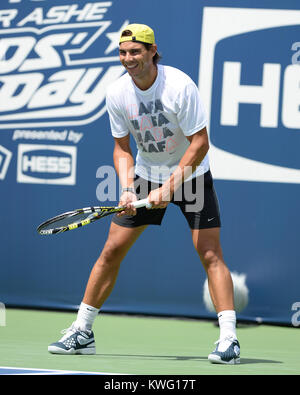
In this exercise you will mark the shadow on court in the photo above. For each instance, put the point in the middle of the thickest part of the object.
(244, 361)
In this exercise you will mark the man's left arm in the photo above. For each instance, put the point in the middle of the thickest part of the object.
(193, 156)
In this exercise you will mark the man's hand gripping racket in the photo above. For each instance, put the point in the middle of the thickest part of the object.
(81, 217)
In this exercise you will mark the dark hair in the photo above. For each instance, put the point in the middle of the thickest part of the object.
(156, 57)
(126, 33)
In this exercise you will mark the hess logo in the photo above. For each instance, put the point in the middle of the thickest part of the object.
(44, 164)
(40, 163)
(249, 78)
(257, 97)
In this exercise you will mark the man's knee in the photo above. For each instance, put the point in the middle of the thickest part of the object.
(118, 243)
(113, 252)
(207, 245)
(210, 258)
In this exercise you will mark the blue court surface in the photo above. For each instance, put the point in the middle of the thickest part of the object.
(7, 370)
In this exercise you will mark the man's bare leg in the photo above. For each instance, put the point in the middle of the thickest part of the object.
(105, 271)
(207, 244)
(79, 338)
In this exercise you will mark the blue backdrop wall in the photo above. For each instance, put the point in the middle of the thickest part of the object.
(56, 60)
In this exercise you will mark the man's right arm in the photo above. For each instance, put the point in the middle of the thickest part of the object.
(124, 165)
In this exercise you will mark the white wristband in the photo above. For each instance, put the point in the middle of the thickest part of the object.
(128, 190)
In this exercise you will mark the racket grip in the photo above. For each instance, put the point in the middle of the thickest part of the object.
(142, 203)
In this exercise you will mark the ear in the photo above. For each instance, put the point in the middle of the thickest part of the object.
(153, 49)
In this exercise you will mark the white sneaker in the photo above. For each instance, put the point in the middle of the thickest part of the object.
(226, 352)
(73, 342)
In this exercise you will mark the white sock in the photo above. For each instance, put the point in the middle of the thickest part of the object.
(85, 317)
(227, 323)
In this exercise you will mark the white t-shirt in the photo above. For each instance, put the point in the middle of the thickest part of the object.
(159, 118)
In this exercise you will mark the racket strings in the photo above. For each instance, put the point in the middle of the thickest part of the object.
(79, 217)
(75, 219)
(66, 220)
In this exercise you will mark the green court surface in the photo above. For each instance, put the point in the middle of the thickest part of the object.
(141, 345)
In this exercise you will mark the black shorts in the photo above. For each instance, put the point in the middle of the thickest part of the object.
(196, 198)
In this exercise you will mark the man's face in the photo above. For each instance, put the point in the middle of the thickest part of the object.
(136, 59)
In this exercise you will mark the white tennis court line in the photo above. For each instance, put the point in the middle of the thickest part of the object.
(30, 371)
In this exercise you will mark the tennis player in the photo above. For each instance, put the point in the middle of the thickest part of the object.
(161, 108)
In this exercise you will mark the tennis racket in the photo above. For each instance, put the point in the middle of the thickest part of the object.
(81, 217)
